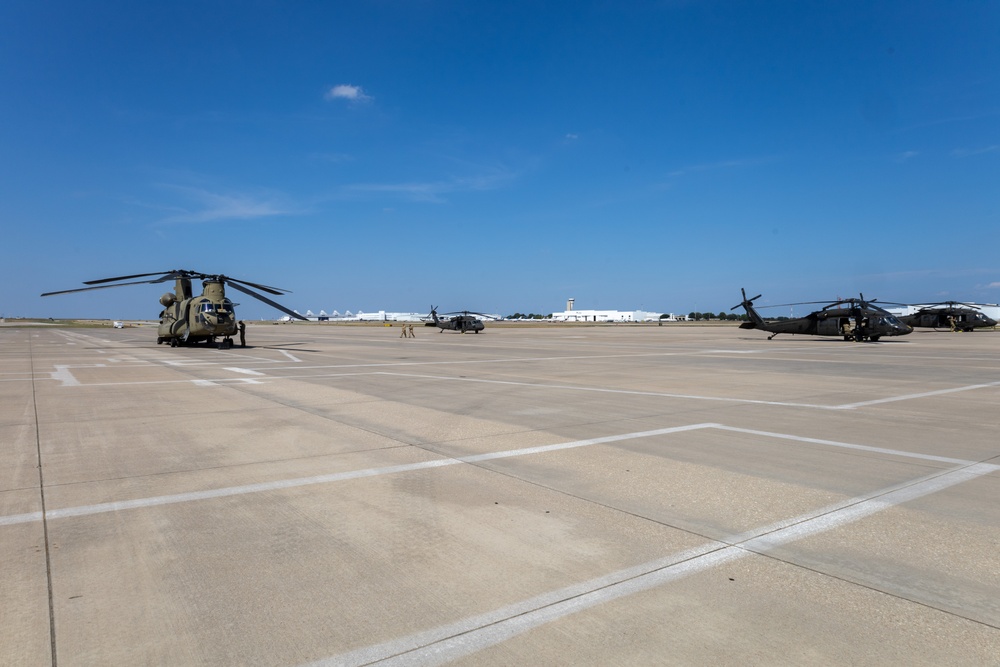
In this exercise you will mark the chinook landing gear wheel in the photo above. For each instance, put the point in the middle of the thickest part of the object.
(226, 344)
(173, 342)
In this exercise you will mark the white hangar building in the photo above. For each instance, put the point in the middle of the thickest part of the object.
(572, 315)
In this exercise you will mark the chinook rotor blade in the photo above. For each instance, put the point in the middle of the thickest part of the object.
(277, 291)
(87, 289)
(138, 275)
(261, 297)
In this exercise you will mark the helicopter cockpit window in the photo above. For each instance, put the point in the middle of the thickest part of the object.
(207, 307)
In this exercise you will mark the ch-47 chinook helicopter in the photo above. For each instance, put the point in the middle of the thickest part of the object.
(187, 319)
(853, 319)
(948, 316)
(462, 321)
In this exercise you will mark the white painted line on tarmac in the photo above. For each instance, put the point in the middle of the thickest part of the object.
(507, 360)
(437, 463)
(188, 361)
(26, 378)
(290, 356)
(69, 381)
(65, 376)
(333, 477)
(218, 381)
(844, 406)
(847, 445)
(471, 635)
(12, 519)
(925, 394)
(245, 371)
(602, 390)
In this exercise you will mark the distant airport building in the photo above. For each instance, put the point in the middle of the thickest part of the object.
(571, 315)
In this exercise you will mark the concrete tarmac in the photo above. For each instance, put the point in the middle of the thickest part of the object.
(335, 495)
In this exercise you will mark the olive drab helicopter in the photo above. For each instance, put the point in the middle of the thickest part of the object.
(187, 319)
(462, 321)
(853, 319)
(947, 316)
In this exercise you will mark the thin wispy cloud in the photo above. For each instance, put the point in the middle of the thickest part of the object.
(948, 121)
(348, 92)
(966, 152)
(203, 206)
(433, 191)
(722, 164)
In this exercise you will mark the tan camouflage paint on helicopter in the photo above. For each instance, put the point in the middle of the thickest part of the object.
(196, 318)
(187, 319)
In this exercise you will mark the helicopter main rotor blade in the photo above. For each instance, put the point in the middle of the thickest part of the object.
(261, 297)
(87, 289)
(277, 291)
(138, 275)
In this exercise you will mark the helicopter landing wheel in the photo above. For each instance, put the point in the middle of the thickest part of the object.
(226, 344)
(159, 340)
(874, 339)
(173, 342)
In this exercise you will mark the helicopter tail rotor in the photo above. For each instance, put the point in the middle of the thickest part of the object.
(745, 302)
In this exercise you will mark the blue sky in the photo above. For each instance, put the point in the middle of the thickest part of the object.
(500, 156)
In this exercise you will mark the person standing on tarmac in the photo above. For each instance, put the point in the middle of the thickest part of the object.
(243, 333)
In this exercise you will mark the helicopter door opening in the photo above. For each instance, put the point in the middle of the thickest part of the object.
(846, 326)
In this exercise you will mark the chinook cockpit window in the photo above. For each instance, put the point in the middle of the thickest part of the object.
(208, 307)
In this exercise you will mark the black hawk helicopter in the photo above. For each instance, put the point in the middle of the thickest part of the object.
(187, 319)
(462, 321)
(854, 319)
(948, 315)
